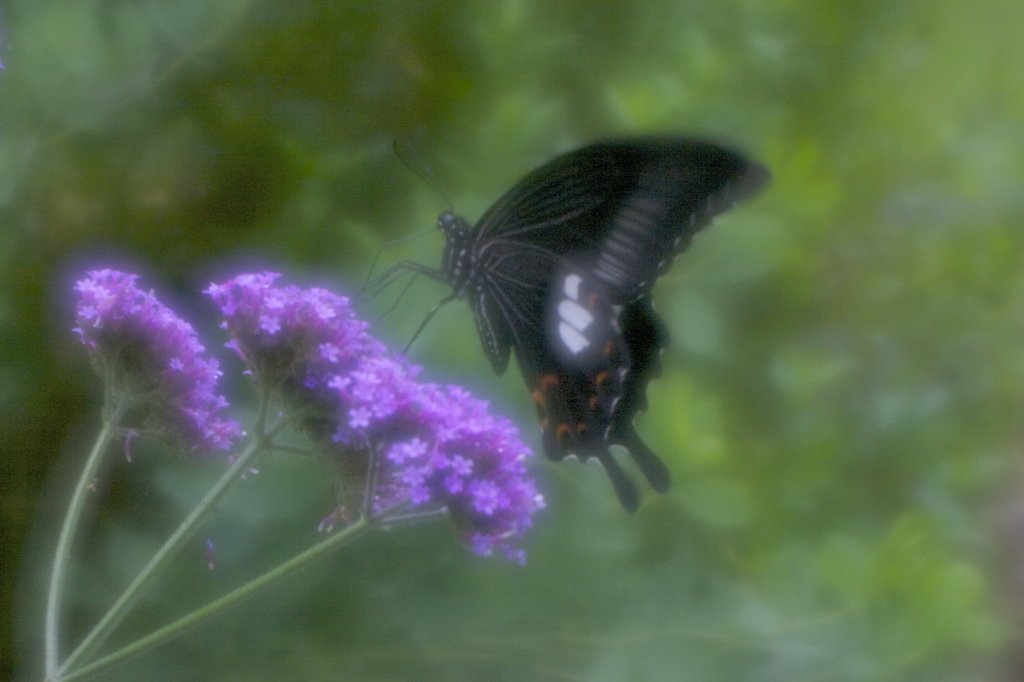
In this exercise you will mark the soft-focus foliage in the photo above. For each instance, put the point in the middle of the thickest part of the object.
(842, 401)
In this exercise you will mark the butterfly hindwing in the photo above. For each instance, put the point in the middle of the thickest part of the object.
(588, 373)
(645, 336)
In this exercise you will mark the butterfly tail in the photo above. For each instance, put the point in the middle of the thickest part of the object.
(624, 488)
(653, 469)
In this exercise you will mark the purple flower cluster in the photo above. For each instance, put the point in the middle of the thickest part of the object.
(430, 446)
(474, 464)
(293, 340)
(153, 362)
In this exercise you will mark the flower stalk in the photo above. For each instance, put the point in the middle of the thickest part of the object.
(64, 542)
(170, 548)
(215, 607)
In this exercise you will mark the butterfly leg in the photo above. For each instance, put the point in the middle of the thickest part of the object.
(398, 299)
(426, 320)
(378, 284)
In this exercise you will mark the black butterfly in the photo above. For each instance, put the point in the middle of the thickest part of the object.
(561, 269)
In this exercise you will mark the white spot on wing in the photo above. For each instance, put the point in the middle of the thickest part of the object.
(572, 286)
(572, 339)
(575, 314)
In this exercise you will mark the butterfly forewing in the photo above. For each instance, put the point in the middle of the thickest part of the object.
(561, 268)
(636, 203)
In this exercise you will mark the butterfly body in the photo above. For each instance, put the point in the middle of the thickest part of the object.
(560, 271)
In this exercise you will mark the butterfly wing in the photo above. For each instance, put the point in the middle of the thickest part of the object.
(563, 266)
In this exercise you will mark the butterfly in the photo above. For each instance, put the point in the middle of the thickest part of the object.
(560, 271)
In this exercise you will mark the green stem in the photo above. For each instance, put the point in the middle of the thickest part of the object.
(64, 542)
(130, 596)
(177, 627)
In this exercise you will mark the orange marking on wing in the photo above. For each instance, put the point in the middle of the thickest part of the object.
(547, 381)
(563, 435)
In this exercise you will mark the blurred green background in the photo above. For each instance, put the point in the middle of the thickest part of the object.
(841, 407)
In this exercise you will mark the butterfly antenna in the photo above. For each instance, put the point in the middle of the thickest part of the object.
(414, 161)
(426, 320)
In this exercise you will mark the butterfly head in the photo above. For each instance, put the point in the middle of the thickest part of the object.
(457, 262)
